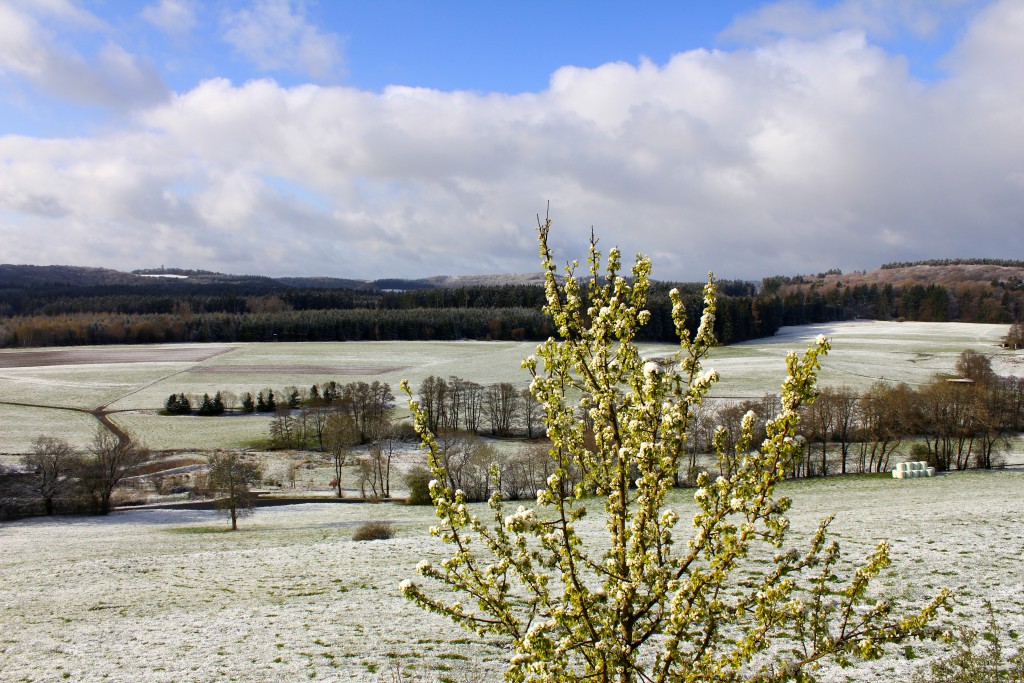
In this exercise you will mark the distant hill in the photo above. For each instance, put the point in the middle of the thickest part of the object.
(325, 283)
(67, 305)
(965, 290)
(80, 276)
(953, 272)
(22, 276)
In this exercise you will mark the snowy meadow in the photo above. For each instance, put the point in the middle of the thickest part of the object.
(164, 595)
(135, 382)
(170, 595)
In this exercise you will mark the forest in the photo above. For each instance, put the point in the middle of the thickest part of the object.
(37, 313)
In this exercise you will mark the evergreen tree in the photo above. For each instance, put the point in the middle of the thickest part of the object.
(206, 407)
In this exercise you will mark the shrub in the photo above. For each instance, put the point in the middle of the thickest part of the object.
(374, 531)
(417, 480)
(972, 661)
(640, 605)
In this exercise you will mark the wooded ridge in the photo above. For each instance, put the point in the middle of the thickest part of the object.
(67, 306)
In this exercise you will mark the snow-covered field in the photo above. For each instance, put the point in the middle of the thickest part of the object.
(168, 596)
(863, 352)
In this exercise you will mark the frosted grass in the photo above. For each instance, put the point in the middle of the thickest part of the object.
(862, 353)
(168, 596)
(20, 426)
(191, 432)
(344, 362)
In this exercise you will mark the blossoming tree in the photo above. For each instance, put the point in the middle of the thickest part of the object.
(650, 603)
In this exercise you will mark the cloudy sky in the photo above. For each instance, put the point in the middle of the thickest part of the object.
(406, 139)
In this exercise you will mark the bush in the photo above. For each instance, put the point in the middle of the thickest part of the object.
(973, 661)
(417, 480)
(374, 531)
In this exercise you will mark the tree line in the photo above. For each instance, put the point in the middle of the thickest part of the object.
(952, 423)
(56, 478)
(1008, 263)
(803, 303)
(261, 309)
(104, 315)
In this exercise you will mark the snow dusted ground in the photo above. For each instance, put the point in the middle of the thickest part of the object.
(863, 352)
(168, 596)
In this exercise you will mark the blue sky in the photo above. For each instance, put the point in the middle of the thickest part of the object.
(399, 138)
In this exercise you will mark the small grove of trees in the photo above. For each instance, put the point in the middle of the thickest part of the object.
(334, 418)
(112, 458)
(500, 409)
(55, 477)
(722, 603)
(954, 423)
(480, 470)
(229, 481)
(367, 405)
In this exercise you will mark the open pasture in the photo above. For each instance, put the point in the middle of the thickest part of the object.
(863, 352)
(135, 381)
(168, 596)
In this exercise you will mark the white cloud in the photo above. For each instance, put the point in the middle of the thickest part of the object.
(174, 17)
(31, 51)
(801, 19)
(275, 35)
(792, 156)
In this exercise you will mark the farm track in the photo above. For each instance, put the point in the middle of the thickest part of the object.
(102, 412)
(143, 387)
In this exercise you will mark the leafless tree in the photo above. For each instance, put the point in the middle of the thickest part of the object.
(229, 480)
(432, 397)
(111, 459)
(846, 421)
(369, 406)
(51, 470)
(468, 461)
(819, 420)
(453, 402)
(532, 412)
(317, 415)
(526, 471)
(340, 435)
(382, 455)
(886, 416)
(472, 406)
(974, 366)
(502, 403)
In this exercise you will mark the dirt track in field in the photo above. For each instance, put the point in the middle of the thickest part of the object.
(96, 356)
